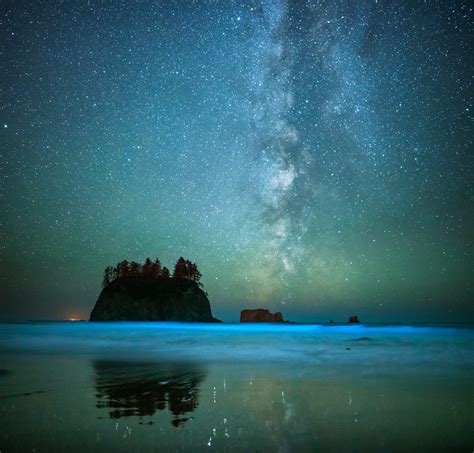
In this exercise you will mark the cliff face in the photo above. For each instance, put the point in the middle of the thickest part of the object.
(152, 300)
(260, 315)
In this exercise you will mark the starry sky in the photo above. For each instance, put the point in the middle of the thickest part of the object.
(312, 157)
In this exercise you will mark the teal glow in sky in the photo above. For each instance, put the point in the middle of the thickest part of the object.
(312, 157)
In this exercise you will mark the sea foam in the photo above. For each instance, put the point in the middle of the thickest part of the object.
(369, 346)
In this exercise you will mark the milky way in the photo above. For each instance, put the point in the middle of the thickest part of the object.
(312, 157)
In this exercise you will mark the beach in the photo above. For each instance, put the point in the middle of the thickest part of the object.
(174, 386)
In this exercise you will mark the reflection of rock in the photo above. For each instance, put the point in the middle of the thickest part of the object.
(260, 315)
(353, 319)
(140, 389)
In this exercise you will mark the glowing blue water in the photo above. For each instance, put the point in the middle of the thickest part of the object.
(377, 345)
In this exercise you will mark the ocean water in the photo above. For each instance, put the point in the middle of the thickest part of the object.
(130, 387)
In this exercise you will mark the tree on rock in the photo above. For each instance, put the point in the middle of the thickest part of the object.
(108, 276)
(180, 269)
(193, 272)
(123, 269)
(165, 273)
(156, 269)
(147, 269)
(135, 269)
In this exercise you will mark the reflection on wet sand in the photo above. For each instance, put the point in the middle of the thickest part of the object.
(140, 389)
(17, 395)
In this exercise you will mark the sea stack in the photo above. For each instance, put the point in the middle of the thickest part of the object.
(353, 319)
(128, 299)
(260, 315)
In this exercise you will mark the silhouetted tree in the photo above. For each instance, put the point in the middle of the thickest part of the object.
(180, 269)
(156, 269)
(108, 276)
(123, 269)
(183, 269)
(147, 268)
(135, 269)
(187, 273)
(165, 273)
(193, 272)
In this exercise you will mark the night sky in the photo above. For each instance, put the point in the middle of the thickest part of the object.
(312, 157)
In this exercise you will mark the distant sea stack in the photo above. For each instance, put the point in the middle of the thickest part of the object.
(135, 292)
(260, 315)
(353, 319)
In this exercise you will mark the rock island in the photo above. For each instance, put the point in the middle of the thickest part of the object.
(147, 292)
